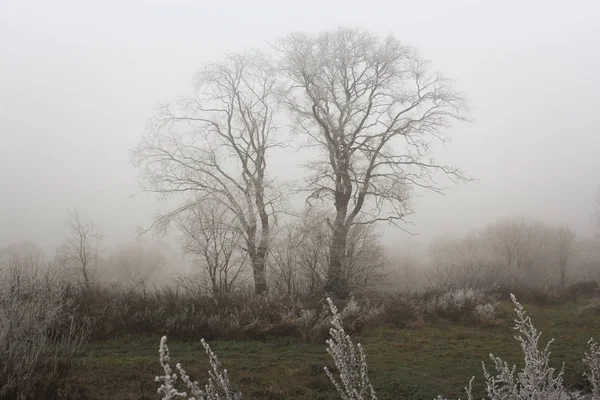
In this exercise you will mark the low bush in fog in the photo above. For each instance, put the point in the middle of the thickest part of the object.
(113, 311)
(537, 380)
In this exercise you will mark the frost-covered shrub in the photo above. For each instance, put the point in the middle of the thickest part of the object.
(592, 362)
(537, 379)
(459, 305)
(401, 310)
(486, 313)
(38, 336)
(218, 388)
(353, 380)
(116, 311)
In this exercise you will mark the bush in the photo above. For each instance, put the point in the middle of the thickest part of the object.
(461, 305)
(38, 334)
(115, 311)
(401, 311)
(583, 289)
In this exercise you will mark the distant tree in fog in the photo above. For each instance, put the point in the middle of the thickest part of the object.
(26, 256)
(299, 260)
(134, 263)
(518, 243)
(562, 247)
(216, 143)
(79, 252)
(460, 262)
(285, 261)
(373, 108)
(213, 237)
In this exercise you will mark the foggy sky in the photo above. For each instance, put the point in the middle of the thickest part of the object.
(79, 81)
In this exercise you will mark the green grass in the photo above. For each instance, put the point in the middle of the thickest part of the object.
(415, 363)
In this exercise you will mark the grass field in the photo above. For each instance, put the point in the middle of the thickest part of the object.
(417, 363)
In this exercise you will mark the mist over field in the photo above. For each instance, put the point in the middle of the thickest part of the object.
(79, 83)
(219, 170)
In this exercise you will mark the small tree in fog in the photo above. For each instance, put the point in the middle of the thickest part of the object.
(24, 256)
(460, 262)
(212, 235)
(563, 241)
(372, 107)
(79, 251)
(299, 260)
(285, 272)
(136, 262)
(518, 243)
(215, 143)
(366, 259)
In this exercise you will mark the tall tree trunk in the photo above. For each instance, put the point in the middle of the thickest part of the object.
(336, 283)
(259, 263)
(260, 277)
(86, 278)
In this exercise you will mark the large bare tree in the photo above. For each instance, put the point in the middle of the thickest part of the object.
(215, 143)
(373, 108)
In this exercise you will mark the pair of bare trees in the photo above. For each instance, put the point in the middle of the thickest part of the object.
(372, 107)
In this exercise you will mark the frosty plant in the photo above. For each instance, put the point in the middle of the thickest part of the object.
(536, 381)
(592, 361)
(218, 387)
(353, 383)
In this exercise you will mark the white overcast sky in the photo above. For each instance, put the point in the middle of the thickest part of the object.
(78, 80)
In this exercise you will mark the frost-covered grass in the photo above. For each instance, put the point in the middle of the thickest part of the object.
(406, 363)
(536, 380)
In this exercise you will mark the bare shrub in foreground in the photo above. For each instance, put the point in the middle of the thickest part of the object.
(592, 361)
(353, 383)
(218, 388)
(38, 336)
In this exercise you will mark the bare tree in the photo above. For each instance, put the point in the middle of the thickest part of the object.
(366, 259)
(26, 256)
(373, 108)
(215, 144)
(460, 262)
(136, 262)
(518, 243)
(284, 261)
(564, 237)
(212, 235)
(80, 248)
(300, 262)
